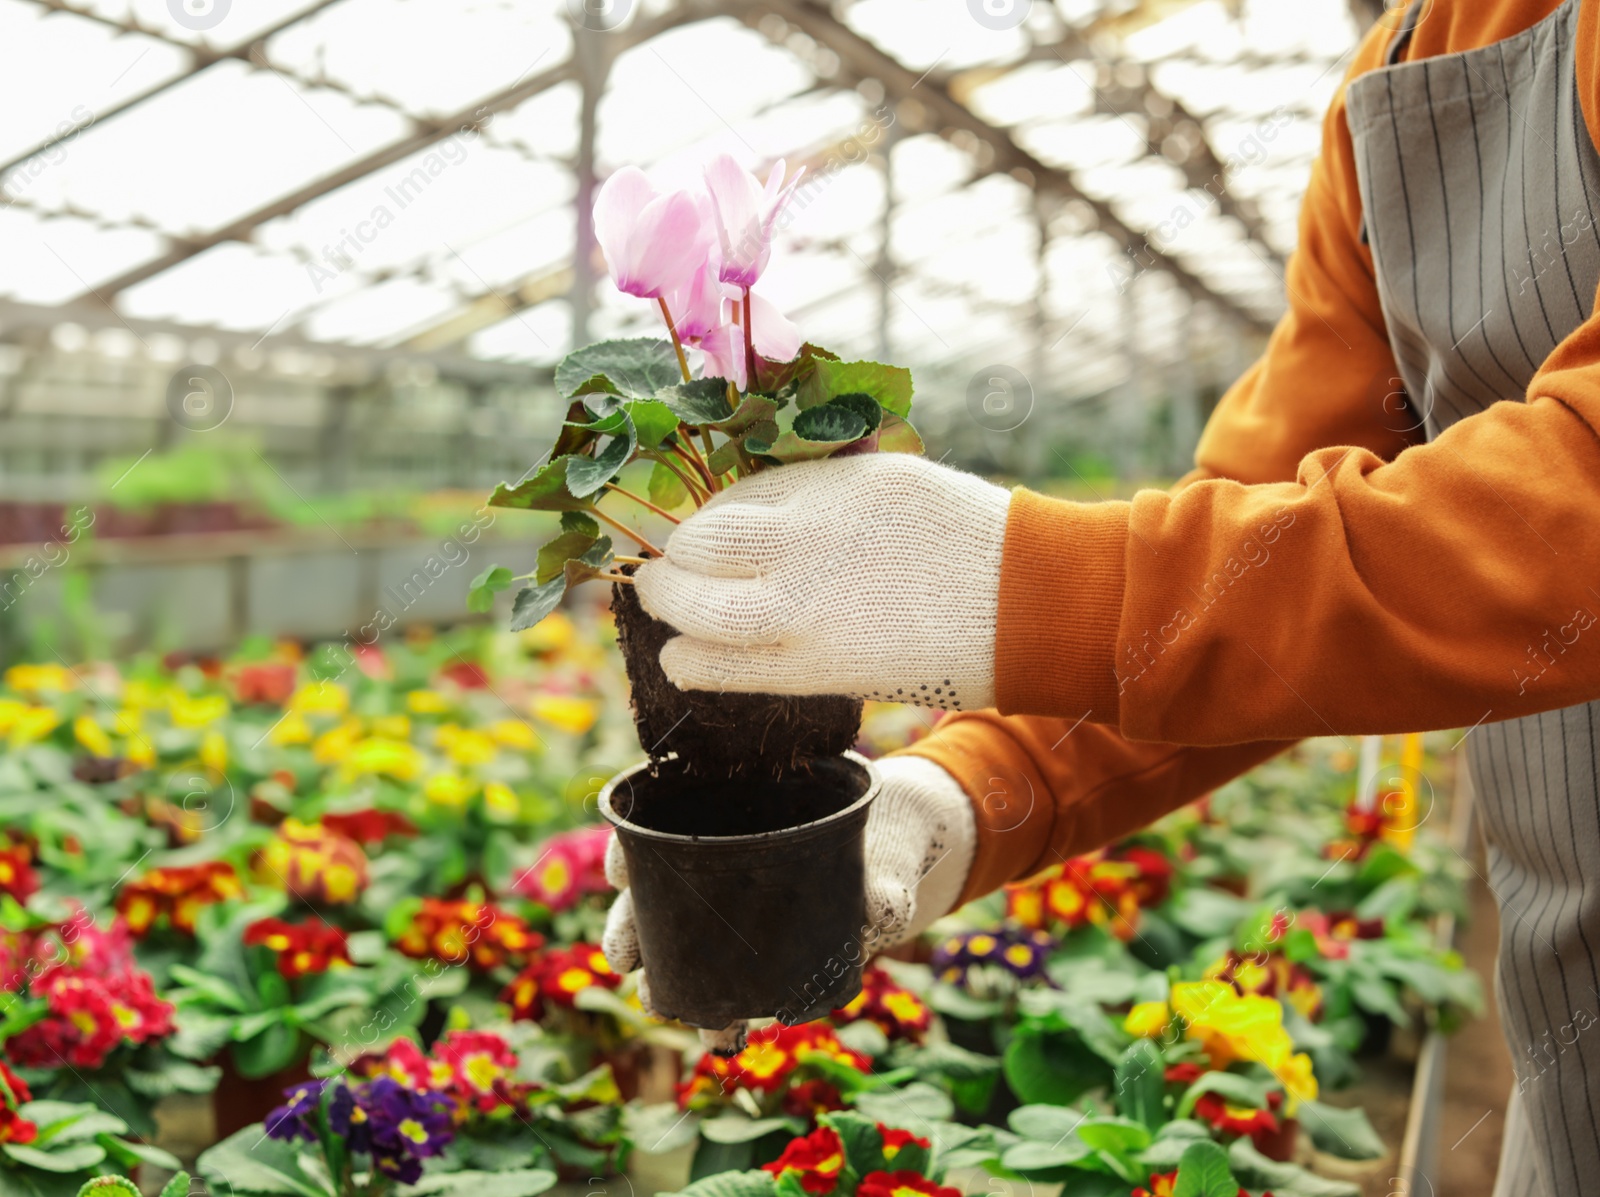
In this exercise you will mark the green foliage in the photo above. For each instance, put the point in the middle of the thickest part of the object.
(1203, 1172)
(611, 371)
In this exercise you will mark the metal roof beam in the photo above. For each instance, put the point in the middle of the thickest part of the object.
(865, 60)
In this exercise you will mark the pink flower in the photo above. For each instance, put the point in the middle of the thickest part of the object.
(697, 306)
(776, 338)
(745, 215)
(653, 243)
(569, 866)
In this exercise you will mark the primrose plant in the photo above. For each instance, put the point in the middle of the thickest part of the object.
(757, 398)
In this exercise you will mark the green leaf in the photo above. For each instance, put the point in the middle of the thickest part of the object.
(753, 410)
(178, 1186)
(115, 1186)
(865, 406)
(586, 475)
(830, 424)
(69, 1122)
(1203, 1172)
(1255, 1171)
(730, 1184)
(554, 555)
(631, 369)
(546, 490)
(533, 603)
(660, 1127)
(1045, 1123)
(889, 385)
(1052, 1067)
(1117, 1136)
(1042, 1157)
(1141, 1086)
(80, 1157)
(249, 1162)
(912, 1108)
(700, 403)
(733, 1128)
(480, 594)
(897, 436)
(579, 521)
(581, 569)
(1344, 1133)
(653, 421)
(523, 1182)
(666, 490)
(724, 457)
(272, 1049)
(128, 1152)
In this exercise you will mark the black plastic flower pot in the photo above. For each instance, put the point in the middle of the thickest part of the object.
(750, 897)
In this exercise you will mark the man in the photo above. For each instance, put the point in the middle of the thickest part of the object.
(1394, 525)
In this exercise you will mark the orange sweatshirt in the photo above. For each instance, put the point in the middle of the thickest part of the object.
(1316, 574)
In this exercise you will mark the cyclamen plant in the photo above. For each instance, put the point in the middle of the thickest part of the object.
(762, 398)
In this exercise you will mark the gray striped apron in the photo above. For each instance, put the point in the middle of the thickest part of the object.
(1480, 186)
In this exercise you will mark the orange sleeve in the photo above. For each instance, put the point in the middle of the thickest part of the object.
(1149, 651)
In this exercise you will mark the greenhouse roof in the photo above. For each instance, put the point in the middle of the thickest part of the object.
(404, 174)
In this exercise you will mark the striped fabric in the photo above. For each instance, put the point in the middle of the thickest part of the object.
(1481, 187)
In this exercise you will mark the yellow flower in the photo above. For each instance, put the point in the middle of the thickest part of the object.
(196, 711)
(30, 679)
(144, 696)
(214, 751)
(514, 733)
(466, 747)
(320, 698)
(34, 723)
(376, 754)
(572, 715)
(336, 744)
(392, 727)
(1230, 1028)
(552, 634)
(92, 736)
(427, 702)
(10, 711)
(127, 721)
(141, 751)
(500, 802)
(291, 729)
(449, 789)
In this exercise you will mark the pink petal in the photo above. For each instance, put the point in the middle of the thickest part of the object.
(724, 354)
(696, 307)
(616, 210)
(667, 244)
(776, 337)
(736, 198)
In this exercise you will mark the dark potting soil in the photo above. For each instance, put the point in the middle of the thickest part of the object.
(678, 802)
(718, 735)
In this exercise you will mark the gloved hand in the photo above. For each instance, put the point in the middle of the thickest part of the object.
(921, 835)
(875, 576)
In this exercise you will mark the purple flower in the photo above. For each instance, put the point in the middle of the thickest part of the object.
(348, 1120)
(292, 1120)
(405, 1123)
(1019, 951)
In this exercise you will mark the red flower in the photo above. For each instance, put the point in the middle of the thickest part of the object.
(1183, 1074)
(1164, 1184)
(17, 877)
(807, 1099)
(902, 1184)
(1235, 1120)
(898, 1012)
(769, 1059)
(88, 1017)
(466, 675)
(479, 934)
(569, 866)
(306, 950)
(816, 1159)
(14, 1128)
(555, 979)
(267, 682)
(14, 1090)
(177, 895)
(894, 1140)
(479, 1071)
(1105, 888)
(370, 826)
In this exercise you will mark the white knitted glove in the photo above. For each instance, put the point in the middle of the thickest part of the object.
(875, 576)
(921, 835)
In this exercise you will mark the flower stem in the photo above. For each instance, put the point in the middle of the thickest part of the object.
(626, 531)
(691, 482)
(749, 345)
(623, 578)
(629, 560)
(700, 463)
(666, 314)
(628, 494)
(701, 471)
